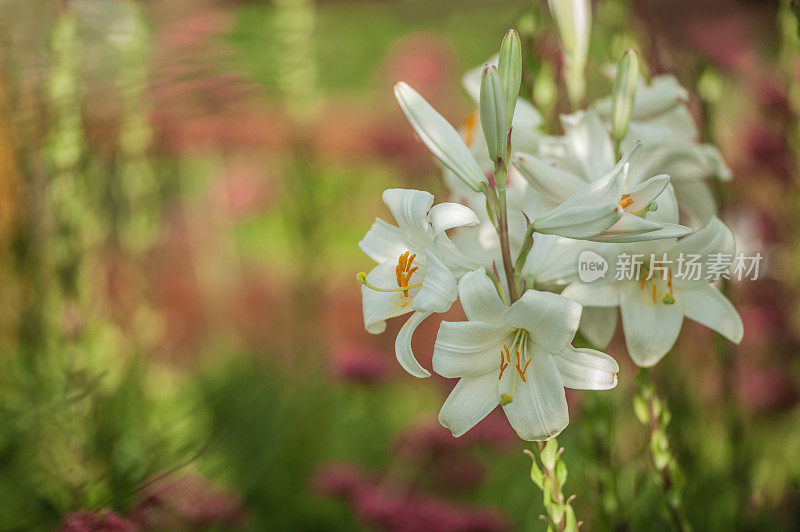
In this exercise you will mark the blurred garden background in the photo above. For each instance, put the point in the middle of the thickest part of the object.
(182, 187)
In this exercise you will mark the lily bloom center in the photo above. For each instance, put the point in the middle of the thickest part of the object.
(659, 288)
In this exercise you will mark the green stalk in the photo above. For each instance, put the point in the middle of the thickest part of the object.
(549, 473)
(502, 232)
(653, 412)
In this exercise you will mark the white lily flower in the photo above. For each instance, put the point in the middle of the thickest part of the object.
(417, 269)
(653, 309)
(662, 121)
(519, 357)
(608, 209)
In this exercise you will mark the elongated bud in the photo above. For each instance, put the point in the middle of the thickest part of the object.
(439, 136)
(509, 66)
(573, 20)
(624, 94)
(494, 116)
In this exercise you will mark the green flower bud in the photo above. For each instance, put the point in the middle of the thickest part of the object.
(494, 113)
(624, 94)
(509, 66)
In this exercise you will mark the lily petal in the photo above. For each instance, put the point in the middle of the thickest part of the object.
(439, 136)
(578, 222)
(586, 369)
(632, 228)
(402, 345)
(642, 194)
(471, 400)
(539, 407)
(410, 210)
(556, 184)
(383, 242)
(698, 201)
(650, 328)
(551, 319)
(469, 348)
(439, 288)
(715, 237)
(595, 294)
(444, 216)
(705, 304)
(380, 306)
(589, 143)
(598, 325)
(479, 298)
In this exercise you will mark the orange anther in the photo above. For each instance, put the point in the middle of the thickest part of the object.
(625, 201)
(522, 370)
(404, 271)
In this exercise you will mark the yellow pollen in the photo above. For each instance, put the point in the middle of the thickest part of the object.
(625, 201)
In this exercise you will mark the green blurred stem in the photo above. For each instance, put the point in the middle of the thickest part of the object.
(653, 412)
(549, 473)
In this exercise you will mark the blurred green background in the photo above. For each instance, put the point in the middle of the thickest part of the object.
(182, 187)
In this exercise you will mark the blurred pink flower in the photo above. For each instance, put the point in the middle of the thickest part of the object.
(338, 480)
(189, 499)
(104, 520)
(359, 363)
(766, 390)
(398, 510)
(385, 504)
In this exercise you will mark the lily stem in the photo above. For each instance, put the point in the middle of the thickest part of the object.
(652, 411)
(500, 173)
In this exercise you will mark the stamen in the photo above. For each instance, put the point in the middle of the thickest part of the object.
(520, 370)
(361, 278)
(504, 365)
(654, 292)
(625, 201)
(404, 271)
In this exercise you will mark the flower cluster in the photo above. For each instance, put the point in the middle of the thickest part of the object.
(628, 175)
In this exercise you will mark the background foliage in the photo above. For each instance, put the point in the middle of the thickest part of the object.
(182, 184)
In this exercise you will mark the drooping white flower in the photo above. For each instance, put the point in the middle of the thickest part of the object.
(653, 309)
(519, 357)
(418, 266)
(602, 209)
(662, 121)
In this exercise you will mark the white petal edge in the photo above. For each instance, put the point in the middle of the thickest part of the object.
(439, 288)
(444, 216)
(479, 298)
(402, 346)
(708, 306)
(539, 407)
(383, 242)
(471, 400)
(469, 348)
(586, 369)
(552, 320)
